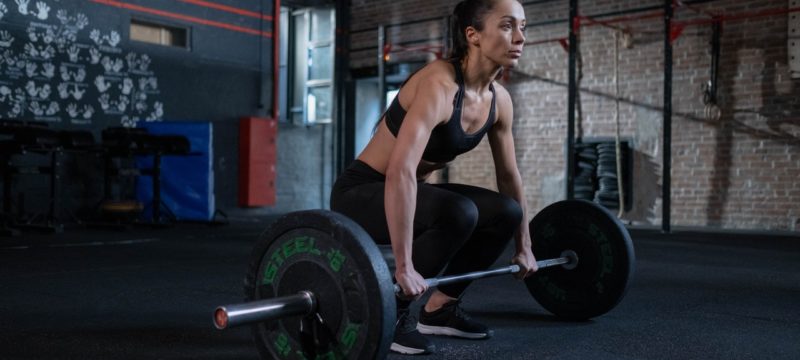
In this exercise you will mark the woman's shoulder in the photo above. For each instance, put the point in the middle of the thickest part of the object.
(437, 72)
(501, 92)
(503, 102)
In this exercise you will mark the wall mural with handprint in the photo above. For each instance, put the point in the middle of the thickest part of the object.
(61, 70)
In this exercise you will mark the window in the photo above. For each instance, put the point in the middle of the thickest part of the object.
(308, 42)
(158, 34)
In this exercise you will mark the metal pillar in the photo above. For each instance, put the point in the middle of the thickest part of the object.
(572, 94)
(666, 188)
(381, 67)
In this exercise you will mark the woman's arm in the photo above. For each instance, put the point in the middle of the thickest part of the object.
(509, 181)
(424, 113)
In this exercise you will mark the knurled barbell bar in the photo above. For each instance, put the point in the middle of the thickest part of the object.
(317, 285)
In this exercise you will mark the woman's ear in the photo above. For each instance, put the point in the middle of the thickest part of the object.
(473, 36)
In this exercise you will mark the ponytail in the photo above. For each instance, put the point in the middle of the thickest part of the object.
(466, 13)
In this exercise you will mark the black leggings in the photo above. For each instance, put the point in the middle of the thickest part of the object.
(457, 228)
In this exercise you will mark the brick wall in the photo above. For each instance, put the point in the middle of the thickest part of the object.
(740, 171)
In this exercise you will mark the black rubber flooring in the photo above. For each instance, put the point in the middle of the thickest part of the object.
(149, 294)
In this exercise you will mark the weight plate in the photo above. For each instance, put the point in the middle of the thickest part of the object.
(331, 256)
(605, 259)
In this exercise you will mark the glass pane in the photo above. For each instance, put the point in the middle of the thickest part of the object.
(284, 36)
(300, 67)
(321, 25)
(319, 63)
(319, 104)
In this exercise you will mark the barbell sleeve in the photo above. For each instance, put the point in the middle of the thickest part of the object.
(568, 257)
(302, 303)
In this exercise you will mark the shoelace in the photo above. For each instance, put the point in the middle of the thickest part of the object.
(406, 322)
(459, 312)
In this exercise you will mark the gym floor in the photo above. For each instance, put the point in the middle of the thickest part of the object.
(149, 294)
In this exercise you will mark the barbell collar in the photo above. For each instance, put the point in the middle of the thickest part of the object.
(303, 303)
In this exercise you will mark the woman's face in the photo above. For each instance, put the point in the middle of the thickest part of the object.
(503, 34)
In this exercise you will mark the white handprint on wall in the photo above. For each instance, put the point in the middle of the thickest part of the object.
(158, 112)
(43, 10)
(63, 90)
(101, 83)
(81, 21)
(88, 111)
(31, 51)
(33, 35)
(122, 104)
(144, 63)
(16, 110)
(48, 53)
(127, 86)
(45, 91)
(118, 65)
(3, 10)
(53, 109)
(114, 39)
(95, 36)
(49, 70)
(5, 38)
(31, 69)
(80, 75)
(77, 93)
(107, 63)
(31, 88)
(131, 59)
(64, 72)
(95, 55)
(22, 6)
(141, 106)
(73, 53)
(72, 110)
(5, 93)
(104, 101)
(129, 122)
(36, 108)
(49, 36)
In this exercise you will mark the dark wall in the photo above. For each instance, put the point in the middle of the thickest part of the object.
(72, 64)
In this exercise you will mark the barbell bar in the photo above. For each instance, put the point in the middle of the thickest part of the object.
(305, 302)
(568, 258)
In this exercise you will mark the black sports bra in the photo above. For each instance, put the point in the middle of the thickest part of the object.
(447, 140)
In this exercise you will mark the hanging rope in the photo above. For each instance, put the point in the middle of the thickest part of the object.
(578, 103)
(618, 36)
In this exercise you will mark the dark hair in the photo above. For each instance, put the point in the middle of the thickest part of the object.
(466, 13)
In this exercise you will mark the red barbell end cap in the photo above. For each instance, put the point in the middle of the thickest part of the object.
(221, 318)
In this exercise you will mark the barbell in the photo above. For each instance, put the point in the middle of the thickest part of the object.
(317, 286)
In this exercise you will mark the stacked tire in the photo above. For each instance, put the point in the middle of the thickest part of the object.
(585, 176)
(607, 193)
(596, 177)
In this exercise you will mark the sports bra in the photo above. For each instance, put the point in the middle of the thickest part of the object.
(447, 140)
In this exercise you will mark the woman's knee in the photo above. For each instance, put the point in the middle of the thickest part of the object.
(459, 215)
(508, 210)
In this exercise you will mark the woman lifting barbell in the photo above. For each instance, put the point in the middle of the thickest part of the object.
(441, 111)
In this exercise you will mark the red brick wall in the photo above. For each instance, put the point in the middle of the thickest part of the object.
(740, 171)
